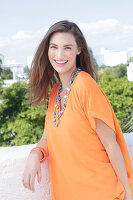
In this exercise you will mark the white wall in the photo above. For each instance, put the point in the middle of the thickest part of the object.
(12, 163)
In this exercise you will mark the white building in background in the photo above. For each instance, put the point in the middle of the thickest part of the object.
(130, 71)
(113, 58)
(18, 72)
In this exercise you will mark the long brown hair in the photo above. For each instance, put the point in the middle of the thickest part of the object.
(42, 74)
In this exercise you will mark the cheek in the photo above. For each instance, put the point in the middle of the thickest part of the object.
(69, 54)
(50, 54)
(72, 56)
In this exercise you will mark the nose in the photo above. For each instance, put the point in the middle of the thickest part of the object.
(59, 54)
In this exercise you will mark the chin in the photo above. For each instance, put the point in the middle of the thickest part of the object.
(65, 70)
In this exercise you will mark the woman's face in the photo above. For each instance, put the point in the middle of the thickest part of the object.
(62, 52)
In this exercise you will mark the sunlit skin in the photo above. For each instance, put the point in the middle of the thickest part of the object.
(62, 54)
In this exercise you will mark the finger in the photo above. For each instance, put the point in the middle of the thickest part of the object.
(32, 183)
(39, 175)
(27, 181)
(24, 181)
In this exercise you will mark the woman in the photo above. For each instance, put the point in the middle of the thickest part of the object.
(87, 152)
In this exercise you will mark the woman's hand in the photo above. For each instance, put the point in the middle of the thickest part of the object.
(32, 168)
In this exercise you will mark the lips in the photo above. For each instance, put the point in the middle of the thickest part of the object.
(61, 61)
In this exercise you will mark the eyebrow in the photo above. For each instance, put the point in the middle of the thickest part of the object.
(64, 45)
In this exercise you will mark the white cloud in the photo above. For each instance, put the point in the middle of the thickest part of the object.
(101, 24)
(4, 41)
(109, 33)
(21, 35)
(22, 38)
(28, 35)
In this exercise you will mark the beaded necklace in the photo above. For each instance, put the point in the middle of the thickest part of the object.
(57, 114)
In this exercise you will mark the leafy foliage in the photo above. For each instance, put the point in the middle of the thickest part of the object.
(20, 123)
(120, 94)
(6, 74)
(27, 128)
(1, 59)
(130, 60)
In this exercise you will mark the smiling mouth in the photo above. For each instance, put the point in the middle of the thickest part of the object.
(61, 61)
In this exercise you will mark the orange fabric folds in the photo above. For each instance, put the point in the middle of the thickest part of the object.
(79, 165)
(99, 106)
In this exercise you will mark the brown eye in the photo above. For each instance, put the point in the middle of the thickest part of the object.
(53, 47)
(68, 48)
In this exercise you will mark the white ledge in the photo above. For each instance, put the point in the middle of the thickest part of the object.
(12, 164)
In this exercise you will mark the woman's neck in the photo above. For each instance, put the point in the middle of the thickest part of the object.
(65, 79)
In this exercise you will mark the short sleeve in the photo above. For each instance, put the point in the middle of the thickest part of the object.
(95, 103)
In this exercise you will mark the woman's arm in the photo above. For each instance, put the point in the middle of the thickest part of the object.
(33, 165)
(42, 143)
(108, 139)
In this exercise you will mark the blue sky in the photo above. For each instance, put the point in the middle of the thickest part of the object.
(104, 23)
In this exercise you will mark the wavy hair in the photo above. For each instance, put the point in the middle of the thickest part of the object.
(42, 75)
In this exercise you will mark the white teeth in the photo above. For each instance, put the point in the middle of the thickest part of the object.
(60, 62)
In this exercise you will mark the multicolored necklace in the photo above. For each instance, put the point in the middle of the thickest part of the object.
(57, 114)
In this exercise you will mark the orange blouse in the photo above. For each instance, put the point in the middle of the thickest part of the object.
(79, 165)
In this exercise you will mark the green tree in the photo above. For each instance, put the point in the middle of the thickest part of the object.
(6, 74)
(120, 71)
(1, 80)
(128, 125)
(26, 128)
(13, 98)
(130, 60)
(1, 59)
(20, 123)
(116, 71)
(120, 94)
(0, 68)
